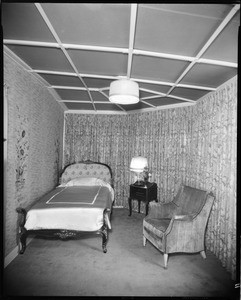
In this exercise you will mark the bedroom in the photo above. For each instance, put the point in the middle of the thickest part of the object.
(185, 123)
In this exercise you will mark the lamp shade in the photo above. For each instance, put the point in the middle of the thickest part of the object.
(138, 164)
(124, 91)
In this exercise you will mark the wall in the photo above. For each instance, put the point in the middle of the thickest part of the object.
(34, 144)
(195, 145)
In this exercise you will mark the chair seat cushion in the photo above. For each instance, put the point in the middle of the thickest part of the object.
(157, 226)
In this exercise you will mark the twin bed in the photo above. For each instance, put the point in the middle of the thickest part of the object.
(81, 203)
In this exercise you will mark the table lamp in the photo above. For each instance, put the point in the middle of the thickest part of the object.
(138, 164)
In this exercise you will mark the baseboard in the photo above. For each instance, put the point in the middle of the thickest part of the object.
(13, 254)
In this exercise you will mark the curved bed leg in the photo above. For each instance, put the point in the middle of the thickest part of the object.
(104, 233)
(23, 238)
(22, 231)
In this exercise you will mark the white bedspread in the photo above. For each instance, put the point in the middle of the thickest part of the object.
(83, 219)
(71, 209)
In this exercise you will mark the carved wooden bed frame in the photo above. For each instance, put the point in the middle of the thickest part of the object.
(63, 233)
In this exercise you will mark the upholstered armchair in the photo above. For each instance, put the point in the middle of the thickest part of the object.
(179, 226)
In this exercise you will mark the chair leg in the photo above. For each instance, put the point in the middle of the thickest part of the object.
(144, 241)
(165, 260)
(203, 254)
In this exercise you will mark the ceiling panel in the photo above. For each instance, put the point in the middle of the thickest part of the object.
(97, 96)
(97, 82)
(208, 75)
(160, 69)
(109, 106)
(191, 94)
(185, 32)
(79, 106)
(80, 48)
(98, 24)
(155, 87)
(73, 95)
(62, 80)
(24, 23)
(164, 101)
(225, 46)
(217, 11)
(96, 62)
(143, 94)
(42, 58)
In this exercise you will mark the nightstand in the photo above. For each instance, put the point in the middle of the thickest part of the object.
(145, 193)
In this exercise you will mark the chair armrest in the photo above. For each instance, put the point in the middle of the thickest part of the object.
(189, 217)
(161, 210)
(182, 222)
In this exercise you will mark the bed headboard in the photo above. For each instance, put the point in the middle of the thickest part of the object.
(86, 169)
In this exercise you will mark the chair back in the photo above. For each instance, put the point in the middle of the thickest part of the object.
(190, 200)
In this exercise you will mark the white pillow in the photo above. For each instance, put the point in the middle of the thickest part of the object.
(78, 181)
(90, 181)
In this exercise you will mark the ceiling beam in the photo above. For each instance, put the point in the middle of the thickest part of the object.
(181, 98)
(30, 43)
(151, 91)
(149, 104)
(218, 30)
(100, 76)
(84, 101)
(64, 87)
(196, 87)
(162, 55)
(118, 77)
(152, 81)
(131, 37)
(99, 112)
(95, 48)
(168, 96)
(75, 101)
(53, 72)
(121, 50)
(51, 28)
(217, 62)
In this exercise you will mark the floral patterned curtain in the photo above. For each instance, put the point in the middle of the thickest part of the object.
(194, 145)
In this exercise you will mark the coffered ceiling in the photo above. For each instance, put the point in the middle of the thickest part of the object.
(177, 53)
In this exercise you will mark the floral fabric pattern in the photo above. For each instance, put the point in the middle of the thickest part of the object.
(34, 144)
(193, 145)
(22, 149)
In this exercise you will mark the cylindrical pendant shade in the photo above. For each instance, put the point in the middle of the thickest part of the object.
(124, 91)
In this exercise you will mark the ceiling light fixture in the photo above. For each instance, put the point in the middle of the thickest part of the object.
(124, 91)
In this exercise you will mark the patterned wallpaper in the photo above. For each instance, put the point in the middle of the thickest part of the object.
(34, 145)
(195, 145)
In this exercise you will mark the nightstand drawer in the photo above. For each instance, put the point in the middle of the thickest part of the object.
(137, 192)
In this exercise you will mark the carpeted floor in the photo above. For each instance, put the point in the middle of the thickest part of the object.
(80, 268)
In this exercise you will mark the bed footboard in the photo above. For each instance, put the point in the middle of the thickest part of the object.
(63, 234)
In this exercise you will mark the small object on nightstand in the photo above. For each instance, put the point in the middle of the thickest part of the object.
(146, 192)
